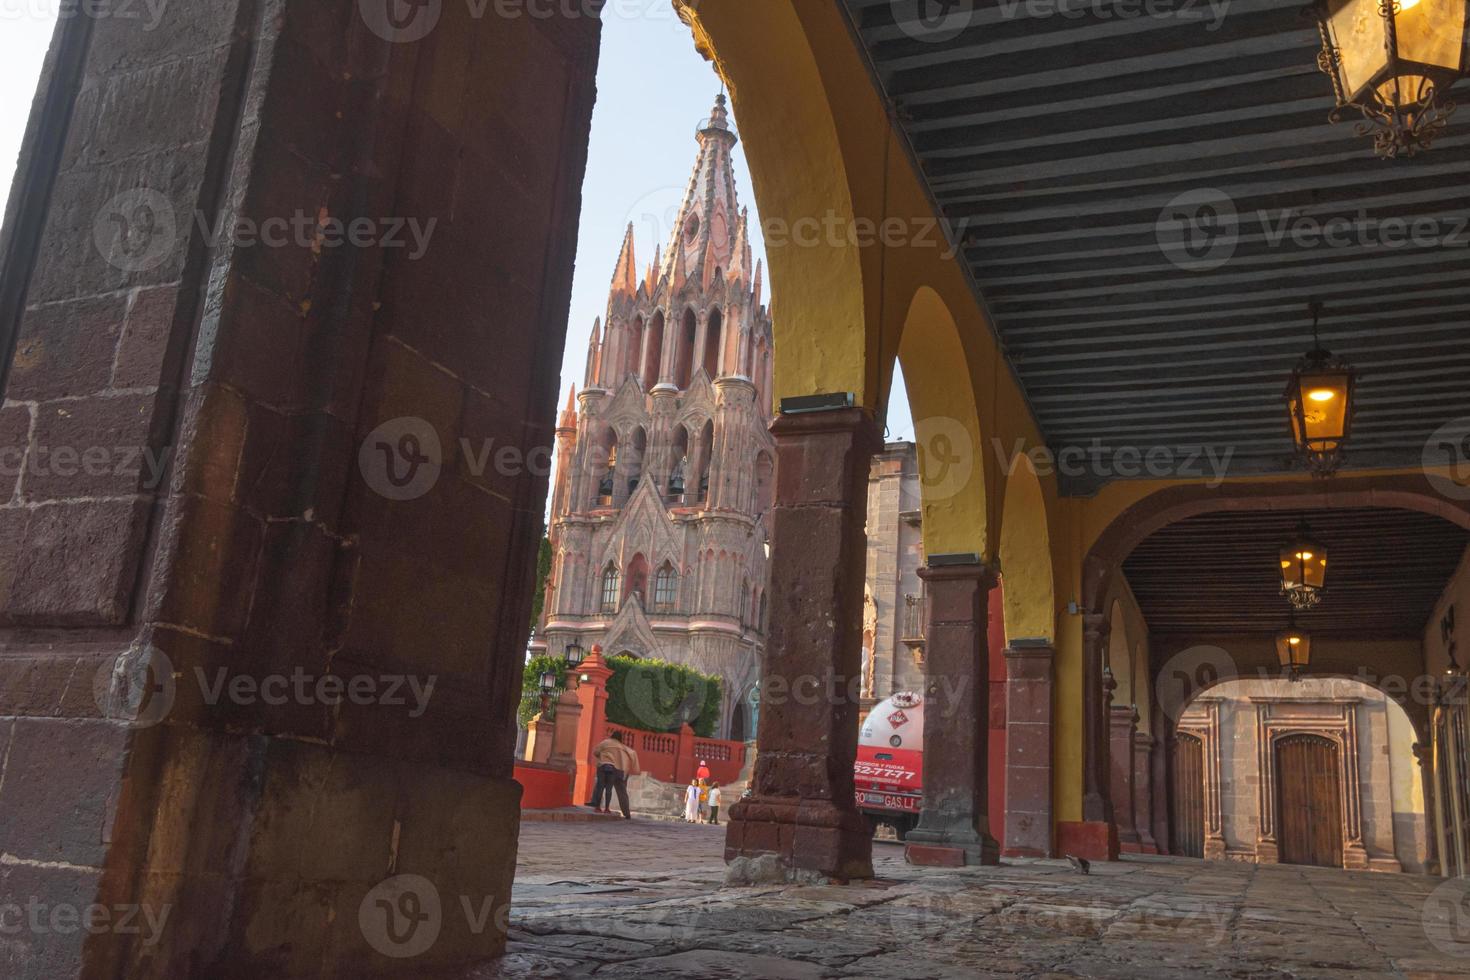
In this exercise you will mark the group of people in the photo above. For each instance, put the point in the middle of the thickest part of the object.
(702, 799)
(616, 761)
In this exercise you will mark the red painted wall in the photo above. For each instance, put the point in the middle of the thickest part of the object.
(545, 787)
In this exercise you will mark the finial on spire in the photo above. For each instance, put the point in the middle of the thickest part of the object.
(719, 117)
(625, 277)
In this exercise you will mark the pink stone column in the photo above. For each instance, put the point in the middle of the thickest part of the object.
(1143, 792)
(1123, 725)
(954, 824)
(1028, 824)
(801, 820)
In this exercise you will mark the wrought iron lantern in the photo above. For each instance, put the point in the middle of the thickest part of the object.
(1393, 61)
(548, 685)
(1303, 568)
(574, 654)
(1294, 650)
(1319, 400)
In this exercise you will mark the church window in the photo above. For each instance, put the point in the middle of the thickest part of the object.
(610, 579)
(665, 586)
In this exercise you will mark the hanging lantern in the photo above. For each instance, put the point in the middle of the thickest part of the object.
(1303, 569)
(1294, 650)
(1319, 400)
(1394, 61)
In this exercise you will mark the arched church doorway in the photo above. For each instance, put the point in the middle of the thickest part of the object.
(1309, 801)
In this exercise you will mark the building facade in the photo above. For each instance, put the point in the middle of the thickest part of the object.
(664, 464)
(893, 599)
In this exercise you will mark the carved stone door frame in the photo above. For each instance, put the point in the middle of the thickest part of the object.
(1207, 730)
(1335, 719)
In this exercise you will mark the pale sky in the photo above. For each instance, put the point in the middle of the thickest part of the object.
(653, 91)
(25, 31)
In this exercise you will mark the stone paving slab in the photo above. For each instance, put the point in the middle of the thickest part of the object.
(1141, 918)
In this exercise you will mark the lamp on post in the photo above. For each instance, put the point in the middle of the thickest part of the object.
(1319, 400)
(574, 655)
(1394, 61)
(548, 684)
(1294, 650)
(1303, 568)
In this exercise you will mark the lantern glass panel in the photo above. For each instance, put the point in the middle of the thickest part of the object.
(1432, 33)
(1294, 648)
(1303, 563)
(1324, 401)
(1360, 35)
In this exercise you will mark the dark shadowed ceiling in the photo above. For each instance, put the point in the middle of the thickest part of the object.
(1217, 573)
(1078, 151)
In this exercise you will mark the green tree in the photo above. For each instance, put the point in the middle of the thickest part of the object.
(531, 686)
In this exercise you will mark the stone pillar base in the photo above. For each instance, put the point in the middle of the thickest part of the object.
(1095, 840)
(1355, 857)
(950, 854)
(1266, 852)
(777, 841)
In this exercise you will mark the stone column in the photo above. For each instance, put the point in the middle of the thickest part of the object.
(954, 824)
(1159, 764)
(1028, 827)
(1424, 763)
(1096, 806)
(280, 492)
(801, 821)
(1143, 792)
(1124, 722)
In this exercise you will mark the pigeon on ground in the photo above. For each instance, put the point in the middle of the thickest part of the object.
(1080, 865)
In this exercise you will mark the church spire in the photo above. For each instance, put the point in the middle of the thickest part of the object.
(704, 230)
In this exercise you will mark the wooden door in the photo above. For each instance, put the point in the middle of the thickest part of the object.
(1189, 796)
(1309, 801)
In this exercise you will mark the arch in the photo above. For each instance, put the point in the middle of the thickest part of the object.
(634, 463)
(679, 463)
(606, 460)
(947, 432)
(1026, 558)
(743, 599)
(634, 352)
(653, 354)
(684, 351)
(637, 578)
(714, 343)
(1163, 507)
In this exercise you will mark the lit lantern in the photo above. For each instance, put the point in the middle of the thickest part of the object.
(1303, 569)
(1294, 649)
(1319, 400)
(1394, 61)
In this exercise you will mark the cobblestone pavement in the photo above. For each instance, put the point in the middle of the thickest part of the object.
(644, 899)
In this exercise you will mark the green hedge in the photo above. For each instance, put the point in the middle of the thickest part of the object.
(657, 696)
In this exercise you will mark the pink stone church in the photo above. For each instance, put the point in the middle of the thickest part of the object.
(664, 478)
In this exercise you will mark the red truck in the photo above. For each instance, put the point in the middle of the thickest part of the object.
(889, 773)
